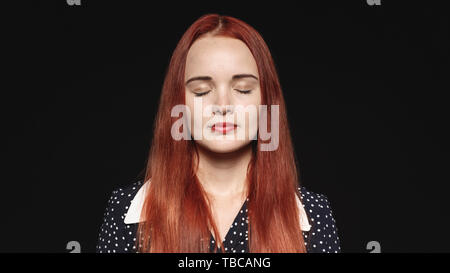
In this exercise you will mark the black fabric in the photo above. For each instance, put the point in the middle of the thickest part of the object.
(117, 237)
(236, 239)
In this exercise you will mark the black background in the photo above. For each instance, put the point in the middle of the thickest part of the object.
(365, 89)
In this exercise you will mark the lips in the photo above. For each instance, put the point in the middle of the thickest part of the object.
(223, 127)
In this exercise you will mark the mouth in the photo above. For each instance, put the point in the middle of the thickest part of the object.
(223, 127)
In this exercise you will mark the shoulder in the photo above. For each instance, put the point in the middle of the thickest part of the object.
(124, 195)
(114, 235)
(315, 202)
(120, 198)
(323, 235)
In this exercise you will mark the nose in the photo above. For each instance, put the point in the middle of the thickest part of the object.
(222, 104)
(223, 109)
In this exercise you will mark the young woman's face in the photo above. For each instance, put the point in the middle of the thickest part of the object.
(222, 72)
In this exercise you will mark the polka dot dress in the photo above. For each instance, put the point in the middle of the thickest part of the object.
(236, 239)
(117, 237)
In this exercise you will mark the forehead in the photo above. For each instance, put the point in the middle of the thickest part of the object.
(219, 56)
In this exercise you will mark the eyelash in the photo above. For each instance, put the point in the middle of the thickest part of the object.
(243, 91)
(240, 91)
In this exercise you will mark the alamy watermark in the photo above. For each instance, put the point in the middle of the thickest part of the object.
(374, 246)
(181, 128)
(373, 2)
(74, 247)
(73, 2)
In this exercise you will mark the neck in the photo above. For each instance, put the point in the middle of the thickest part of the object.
(224, 175)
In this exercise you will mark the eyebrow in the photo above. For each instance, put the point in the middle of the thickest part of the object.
(208, 78)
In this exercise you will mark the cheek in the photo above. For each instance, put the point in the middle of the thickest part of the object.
(252, 99)
(253, 120)
(258, 98)
(189, 103)
(195, 119)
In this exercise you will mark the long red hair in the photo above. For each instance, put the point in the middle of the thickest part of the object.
(177, 217)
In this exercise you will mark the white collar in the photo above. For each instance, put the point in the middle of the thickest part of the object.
(134, 212)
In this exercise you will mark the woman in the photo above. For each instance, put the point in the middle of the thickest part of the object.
(205, 189)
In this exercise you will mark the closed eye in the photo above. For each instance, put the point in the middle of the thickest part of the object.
(202, 94)
(243, 91)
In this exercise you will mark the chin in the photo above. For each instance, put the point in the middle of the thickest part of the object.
(224, 146)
